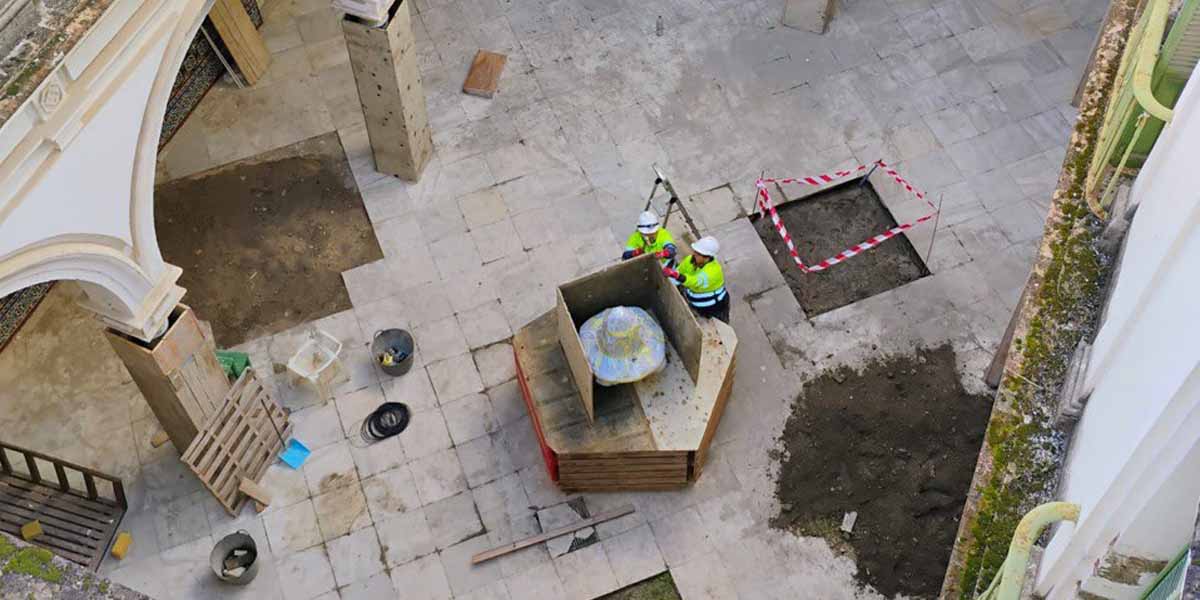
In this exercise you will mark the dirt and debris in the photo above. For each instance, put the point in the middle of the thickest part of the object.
(825, 223)
(897, 444)
(263, 241)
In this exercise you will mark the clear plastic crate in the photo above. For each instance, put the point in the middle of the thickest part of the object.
(318, 361)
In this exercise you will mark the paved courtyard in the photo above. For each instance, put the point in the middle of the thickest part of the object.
(540, 184)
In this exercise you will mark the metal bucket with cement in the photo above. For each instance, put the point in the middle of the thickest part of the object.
(235, 558)
(393, 350)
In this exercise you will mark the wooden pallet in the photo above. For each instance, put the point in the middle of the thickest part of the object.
(239, 441)
(79, 509)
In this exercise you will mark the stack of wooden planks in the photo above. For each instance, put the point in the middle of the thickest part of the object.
(239, 442)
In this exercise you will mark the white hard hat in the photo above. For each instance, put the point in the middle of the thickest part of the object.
(647, 222)
(707, 246)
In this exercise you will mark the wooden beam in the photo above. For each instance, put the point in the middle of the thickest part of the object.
(549, 535)
(242, 38)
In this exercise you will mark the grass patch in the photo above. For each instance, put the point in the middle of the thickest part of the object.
(659, 587)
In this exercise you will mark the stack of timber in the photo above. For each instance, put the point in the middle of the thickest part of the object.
(240, 441)
(651, 435)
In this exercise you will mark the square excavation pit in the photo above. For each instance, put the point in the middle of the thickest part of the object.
(825, 223)
(649, 435)
(263, 241)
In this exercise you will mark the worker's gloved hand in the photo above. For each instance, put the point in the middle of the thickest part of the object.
(663, 254)
(628, 254)
(673, 274)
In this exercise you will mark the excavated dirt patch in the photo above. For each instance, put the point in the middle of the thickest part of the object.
(263, 241)
(825, 223)
(896, 443)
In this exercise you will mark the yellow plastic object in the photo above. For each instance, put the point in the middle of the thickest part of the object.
(121, 546)
(31, 530)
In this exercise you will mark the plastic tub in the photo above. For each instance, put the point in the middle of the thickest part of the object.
(318, 362)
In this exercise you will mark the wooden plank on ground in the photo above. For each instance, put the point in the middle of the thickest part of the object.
(484, 77)
(537, 539)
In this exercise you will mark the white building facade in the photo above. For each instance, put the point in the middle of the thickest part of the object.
(1133, 464)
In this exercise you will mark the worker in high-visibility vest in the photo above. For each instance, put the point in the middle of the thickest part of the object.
(703, 280)
(650, 238)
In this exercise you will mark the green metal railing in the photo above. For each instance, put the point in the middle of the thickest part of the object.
(1132, 101)
(1008, 582)
(1168, 585)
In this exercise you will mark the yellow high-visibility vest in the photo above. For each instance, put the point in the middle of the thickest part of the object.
(703, 286)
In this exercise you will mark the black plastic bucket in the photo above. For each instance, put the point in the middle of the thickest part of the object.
(396, 343)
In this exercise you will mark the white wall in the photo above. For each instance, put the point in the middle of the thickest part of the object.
(1128, 442)
(77, 163)
(87, 190)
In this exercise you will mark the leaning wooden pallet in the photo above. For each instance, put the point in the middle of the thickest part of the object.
(239, 441)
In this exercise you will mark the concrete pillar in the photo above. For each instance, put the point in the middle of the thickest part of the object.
(808, 15)
(384, 59)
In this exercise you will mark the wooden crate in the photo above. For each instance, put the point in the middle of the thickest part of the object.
(626, 437)
(178, 374)
(239, 441)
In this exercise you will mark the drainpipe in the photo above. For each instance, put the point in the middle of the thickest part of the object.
(1147, 58)
(1011, 579)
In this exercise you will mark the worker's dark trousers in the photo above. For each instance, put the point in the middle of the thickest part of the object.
(720, 310)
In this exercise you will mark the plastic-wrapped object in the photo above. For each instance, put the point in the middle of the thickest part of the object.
(623, 344)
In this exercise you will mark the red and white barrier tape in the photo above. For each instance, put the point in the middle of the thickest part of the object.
(764, 202)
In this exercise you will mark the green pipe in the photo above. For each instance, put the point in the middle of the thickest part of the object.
(1011, 578)
(1116, 176)
(1143, 70)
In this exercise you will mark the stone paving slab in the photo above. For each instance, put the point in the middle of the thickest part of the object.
(543, 183)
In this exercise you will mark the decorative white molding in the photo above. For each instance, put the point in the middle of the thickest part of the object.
(126, 282)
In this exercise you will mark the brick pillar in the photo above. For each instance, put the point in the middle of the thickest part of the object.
(384, 59)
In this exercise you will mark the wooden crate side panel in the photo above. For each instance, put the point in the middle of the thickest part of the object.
(623, 471)
(680, 324)
(581, 371)
(241, 37)
(182, 339)
(718, 411)
(156, 388)
(548, 455)
(627, 283)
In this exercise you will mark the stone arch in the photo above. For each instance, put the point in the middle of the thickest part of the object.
(127, 283)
